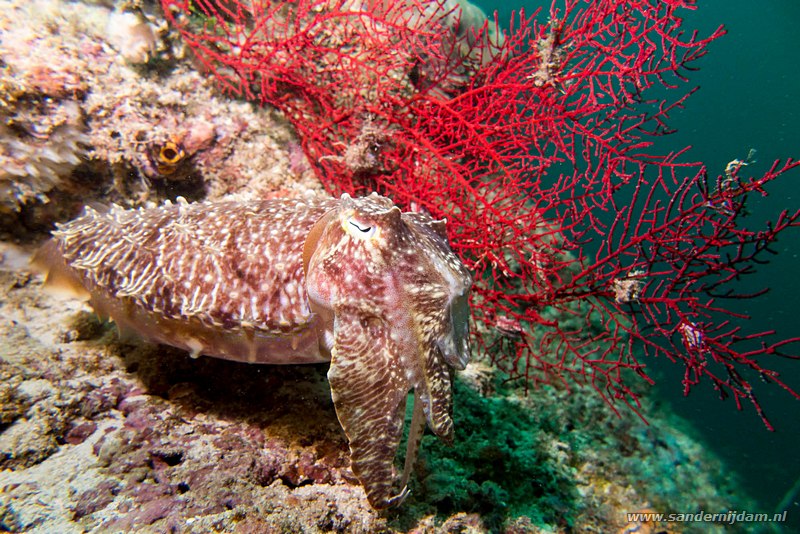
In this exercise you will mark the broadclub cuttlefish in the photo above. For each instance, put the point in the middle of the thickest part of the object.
(354, 281)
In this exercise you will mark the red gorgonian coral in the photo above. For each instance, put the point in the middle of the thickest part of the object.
(589, 252)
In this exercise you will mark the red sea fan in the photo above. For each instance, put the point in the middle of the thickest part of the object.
(590, 253)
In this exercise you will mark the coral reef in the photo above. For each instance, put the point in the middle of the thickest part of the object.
(42, 124)
(176, 134)
(88, 116)
(165, 444)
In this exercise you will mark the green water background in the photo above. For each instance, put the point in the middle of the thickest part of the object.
(749, 97)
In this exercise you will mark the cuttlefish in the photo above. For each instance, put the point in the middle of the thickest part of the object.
(354, 281)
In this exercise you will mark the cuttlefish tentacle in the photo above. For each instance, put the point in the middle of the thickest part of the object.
(415, 432)
(377, 292)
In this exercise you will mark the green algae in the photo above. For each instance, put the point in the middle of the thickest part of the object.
(561, 459)
(497, 467)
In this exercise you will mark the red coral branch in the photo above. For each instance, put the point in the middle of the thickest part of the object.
(589, 251)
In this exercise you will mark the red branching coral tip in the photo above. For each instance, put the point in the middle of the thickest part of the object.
(590, 254)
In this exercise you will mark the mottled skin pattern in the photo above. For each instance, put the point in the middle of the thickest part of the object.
(377, 292)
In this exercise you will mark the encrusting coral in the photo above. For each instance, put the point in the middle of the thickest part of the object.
(85, 118)
(42, 127)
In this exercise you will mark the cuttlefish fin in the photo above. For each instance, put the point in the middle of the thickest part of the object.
(314, 235)
(436, 393)
(369, 389)
(59, 279)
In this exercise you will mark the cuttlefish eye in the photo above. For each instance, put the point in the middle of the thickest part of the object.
(360, 229)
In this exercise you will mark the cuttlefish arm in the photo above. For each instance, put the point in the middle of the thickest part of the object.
(370, 377)
(369, 388)
(395, 293)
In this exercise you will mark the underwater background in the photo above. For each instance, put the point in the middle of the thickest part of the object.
(143, 437)
(749, 97)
